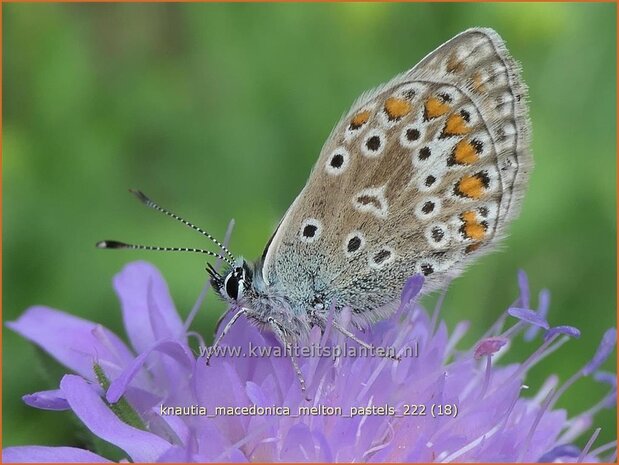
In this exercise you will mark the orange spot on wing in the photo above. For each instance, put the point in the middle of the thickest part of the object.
(472, 228)
(475, 231)
(465, 153)
(455, 125)
(396, 108)
(435, 108)
(469, 217)
(471, 187)
(359, 119)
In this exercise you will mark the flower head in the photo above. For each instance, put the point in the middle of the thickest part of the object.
(158, 401)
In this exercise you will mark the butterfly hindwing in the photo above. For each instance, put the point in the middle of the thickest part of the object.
(420, 176)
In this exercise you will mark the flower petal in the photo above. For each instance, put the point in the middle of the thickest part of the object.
(495, 422)
(148, 311)
(523, 284)
(562, 329)
(174, 349)
(606, 377)
(564, 450)
(141, 446)
(176, 454)
(542, 311)
(528, 316)
(47, 400)
(412, 288)
(43, 454)
(489, 346)
(607, 344)
(298, 445)
(73, 341)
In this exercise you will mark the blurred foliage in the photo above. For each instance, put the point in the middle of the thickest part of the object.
(220, 110)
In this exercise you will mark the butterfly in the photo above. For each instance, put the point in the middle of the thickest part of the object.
(421, 176)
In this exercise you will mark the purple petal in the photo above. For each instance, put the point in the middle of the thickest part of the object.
(489, 346)
(74, 342)
(412, 288)
(42, 454)
(562, 329)
(437, 374)
(610, 400)
(523, 284)
(140, 445)
(298, 445)
(176, 454)
(47, 400)
(565, 450)
(148, 311)
(176, 423)
(604, 349)
(528, 316)
(174, 349)
(214, 445)
(542, 311)
(606, 377)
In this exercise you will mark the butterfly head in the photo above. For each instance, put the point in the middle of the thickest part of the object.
(233, 283)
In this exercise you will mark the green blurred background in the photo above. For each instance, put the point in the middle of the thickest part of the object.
(220, 110)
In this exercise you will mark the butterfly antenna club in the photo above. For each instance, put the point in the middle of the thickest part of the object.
(122, 245)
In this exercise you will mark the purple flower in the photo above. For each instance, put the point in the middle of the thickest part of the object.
(158, 401)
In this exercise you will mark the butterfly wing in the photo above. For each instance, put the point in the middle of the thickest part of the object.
(422, 175)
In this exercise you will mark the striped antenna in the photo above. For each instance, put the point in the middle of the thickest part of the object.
(150, 204)
(122, 245)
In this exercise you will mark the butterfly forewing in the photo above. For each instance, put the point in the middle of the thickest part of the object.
(421, 176)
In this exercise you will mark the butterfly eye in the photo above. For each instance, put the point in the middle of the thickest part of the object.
(232, 286)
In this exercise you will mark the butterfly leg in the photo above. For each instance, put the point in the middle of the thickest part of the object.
(295, 364)
(350, 335)
(236, 316)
